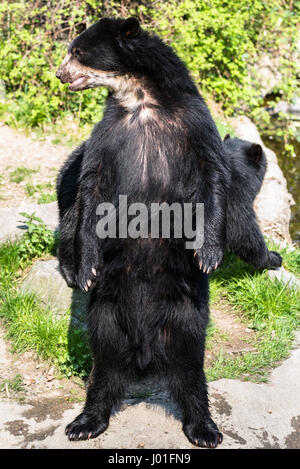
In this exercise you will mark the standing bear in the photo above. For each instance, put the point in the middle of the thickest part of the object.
(157, 143)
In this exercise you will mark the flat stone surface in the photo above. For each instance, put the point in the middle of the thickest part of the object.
(14, 225)
(285, 277)
(249, 415)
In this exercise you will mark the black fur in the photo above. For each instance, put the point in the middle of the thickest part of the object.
(149, 306)
(247, 164)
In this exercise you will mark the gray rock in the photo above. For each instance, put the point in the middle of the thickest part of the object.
(273, 202)
(13, 224)
(294, 107)
(281, 106)
(268, 74)
(46, 281)
(2, 91)
(285, 277)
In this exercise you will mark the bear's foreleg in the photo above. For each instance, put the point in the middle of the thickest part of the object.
(211, 254)
(245, 239)
(87, 243)
(67, 197)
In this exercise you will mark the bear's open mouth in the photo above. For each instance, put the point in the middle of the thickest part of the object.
(76, 84)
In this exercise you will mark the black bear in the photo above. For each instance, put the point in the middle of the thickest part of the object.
(156, 143)
(247, 163)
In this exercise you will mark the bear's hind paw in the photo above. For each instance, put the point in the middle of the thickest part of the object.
(85, 427)
(205, 435)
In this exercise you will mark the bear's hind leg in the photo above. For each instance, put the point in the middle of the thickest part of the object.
(187, 384)
(188, 387)
(105, 390)
(107, 381)
(245, 239)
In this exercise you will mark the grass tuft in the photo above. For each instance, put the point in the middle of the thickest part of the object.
(20, 174)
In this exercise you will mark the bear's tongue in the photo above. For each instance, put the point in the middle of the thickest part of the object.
(77, 82)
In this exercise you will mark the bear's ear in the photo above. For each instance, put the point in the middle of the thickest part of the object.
(227, 136)
(130, 28)
(256, 152)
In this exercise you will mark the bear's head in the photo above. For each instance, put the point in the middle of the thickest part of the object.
(94, 57)
(247, 161)
(119, 54)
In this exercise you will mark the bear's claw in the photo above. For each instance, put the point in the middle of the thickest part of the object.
(87, 278)
(209, 258)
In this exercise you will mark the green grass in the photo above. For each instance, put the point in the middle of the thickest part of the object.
(15, 384)
(29, 324)
(46, 198)
(265, 301)
(291, 257)
(46, 192)
(268, 307)
(20, 174)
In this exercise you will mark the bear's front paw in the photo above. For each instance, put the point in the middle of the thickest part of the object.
(68, 275)
(204, 434)
(209, 257)
(275, 260)
(87, 277)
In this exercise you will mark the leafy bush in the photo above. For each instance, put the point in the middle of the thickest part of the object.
(37, 240)
(220, 42)
(34, 40)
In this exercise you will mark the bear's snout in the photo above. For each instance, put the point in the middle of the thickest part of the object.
(64, 71)
(62, 75)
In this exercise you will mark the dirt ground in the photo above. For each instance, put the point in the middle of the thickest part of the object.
(17, 151)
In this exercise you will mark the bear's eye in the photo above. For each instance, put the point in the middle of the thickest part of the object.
(76, 53)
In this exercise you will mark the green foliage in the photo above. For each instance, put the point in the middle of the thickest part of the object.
(221, 43)
(34, 40)
(37, 240)
(15, 256)
(267, 303)
(32, 326)
(44, 197)
(290, 256)
(268, 307)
